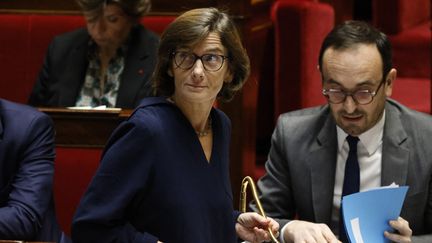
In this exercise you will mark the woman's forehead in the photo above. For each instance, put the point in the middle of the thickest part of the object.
(211, 42)
(103, 9)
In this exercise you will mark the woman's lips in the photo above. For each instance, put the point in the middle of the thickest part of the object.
(196, 86)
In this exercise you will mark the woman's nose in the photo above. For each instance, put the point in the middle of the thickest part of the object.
(98, 27)
(198, 68)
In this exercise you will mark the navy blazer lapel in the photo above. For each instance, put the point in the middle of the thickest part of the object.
(3, 182)
(74, 74)
(139, 66)
(395, 152)
(322, 160)
(1, 123)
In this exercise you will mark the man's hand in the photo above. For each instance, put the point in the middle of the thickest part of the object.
(298, 231)
(403, 231)
(253, 227)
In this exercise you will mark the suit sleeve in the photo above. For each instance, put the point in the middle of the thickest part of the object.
(275, 192)
(102, 215)
(31, 187)
(40, 91)
(427, 237)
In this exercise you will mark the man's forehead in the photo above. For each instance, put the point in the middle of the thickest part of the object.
(359, 57)
(355, 49)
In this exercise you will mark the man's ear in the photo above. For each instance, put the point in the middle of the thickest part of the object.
(321, 74)
(389, 80)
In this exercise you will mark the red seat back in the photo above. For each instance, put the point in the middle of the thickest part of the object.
(74, 169)
(300, 28)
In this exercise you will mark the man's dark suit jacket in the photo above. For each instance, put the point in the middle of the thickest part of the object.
(302, 162)
(62, 75)
(26, 174)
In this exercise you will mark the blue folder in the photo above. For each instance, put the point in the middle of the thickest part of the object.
(367, 214)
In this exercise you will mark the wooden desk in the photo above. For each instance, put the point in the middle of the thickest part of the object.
(84, 128)
(80, 138)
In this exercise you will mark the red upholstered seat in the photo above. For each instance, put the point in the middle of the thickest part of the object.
(412, 51)
(23, 42)
(74, 169)
(157, 23)
(299, 28)
(413, 92)
(407, 24)
(13, 51)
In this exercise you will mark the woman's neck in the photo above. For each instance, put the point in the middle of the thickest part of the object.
(106, 53)
(197, 113)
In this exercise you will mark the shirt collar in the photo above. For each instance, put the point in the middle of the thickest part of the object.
(92, 49)
(371, 139)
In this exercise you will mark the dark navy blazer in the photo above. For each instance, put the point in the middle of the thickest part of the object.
(155, 183)
(26, 174)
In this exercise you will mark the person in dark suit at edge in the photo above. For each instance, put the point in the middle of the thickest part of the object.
(108, 63)
(305, 169)
(26, 175)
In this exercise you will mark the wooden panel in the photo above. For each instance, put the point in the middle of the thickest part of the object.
(84, 128)
(38, 5)
(159, 7)
(19, 241)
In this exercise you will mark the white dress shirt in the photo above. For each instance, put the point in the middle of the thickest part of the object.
(369, 154)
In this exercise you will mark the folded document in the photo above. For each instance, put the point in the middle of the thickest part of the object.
(367, 214)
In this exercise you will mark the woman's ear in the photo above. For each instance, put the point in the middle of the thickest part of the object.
(228, 76)
(170, 72)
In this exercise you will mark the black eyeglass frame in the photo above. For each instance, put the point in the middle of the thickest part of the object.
(372, 94)
(196, 57)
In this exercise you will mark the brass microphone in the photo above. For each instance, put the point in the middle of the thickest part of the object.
(245, 182)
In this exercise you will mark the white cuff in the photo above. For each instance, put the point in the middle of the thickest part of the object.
(281, 234)
(282, 231)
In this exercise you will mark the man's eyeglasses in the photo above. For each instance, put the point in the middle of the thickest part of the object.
(362, 97)
(186, 60)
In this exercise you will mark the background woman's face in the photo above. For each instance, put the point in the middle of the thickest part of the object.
(108, 27)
